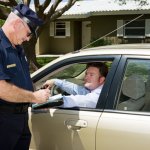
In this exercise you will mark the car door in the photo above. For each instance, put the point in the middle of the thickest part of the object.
(125, 122)
(69, 128)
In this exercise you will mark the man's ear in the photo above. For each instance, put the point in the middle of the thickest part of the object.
(102, 80)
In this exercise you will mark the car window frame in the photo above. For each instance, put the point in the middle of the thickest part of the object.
(83, 59)
(114, 93)
(67, 61)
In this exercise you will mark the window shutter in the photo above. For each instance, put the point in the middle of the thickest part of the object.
(147, 27)
(67, 28)
(52, 29)
(120, 30)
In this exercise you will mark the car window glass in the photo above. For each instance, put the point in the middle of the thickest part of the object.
(135, 89)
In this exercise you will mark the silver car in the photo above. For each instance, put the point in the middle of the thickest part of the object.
(121, 119)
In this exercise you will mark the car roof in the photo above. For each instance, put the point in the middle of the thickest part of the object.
(120, 49)
(123, 46)
(126, 49)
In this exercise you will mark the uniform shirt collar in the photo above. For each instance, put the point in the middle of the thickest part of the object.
(4, 40)
(7, 44)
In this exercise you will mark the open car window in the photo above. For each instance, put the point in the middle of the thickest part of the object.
(70, 72)
(74, 73)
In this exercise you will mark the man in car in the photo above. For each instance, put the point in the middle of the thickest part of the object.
(83, 96)
(16, 90)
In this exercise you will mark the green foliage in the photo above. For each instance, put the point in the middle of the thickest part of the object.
(100, 42)
(1, 22)
(70, 72)
(44, 60)
(139, 69)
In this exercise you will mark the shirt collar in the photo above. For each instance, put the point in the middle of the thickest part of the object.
(4, 40)
(98, 88)
(7, 44)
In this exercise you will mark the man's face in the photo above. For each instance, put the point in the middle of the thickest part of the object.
(92, 78)
(23, 33)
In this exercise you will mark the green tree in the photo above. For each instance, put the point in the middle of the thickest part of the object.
(1, 22)
(52, 14)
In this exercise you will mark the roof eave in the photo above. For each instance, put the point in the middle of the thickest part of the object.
(76, 16)
(105, 13)
(121, 12)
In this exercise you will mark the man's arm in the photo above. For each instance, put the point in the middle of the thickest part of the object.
(66, 86)
(89, 100)
(12, 93)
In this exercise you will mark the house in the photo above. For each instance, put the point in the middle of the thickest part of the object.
(113, 21)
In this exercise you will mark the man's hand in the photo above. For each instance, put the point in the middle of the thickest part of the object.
(41, 96)
(48, 84)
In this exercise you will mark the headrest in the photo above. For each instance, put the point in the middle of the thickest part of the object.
(134, 87)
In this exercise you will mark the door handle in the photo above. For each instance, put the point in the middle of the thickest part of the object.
(76, 124)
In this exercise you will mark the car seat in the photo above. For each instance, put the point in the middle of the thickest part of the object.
(134, 88)
(147, 96)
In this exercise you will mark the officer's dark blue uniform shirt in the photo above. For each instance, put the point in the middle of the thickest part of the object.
(13, 65)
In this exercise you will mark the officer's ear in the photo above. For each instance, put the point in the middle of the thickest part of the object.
(17, 24)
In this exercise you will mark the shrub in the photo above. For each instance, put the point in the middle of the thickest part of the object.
(100, 42)
(44, 60)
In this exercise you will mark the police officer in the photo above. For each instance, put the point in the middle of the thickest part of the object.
(16, 91)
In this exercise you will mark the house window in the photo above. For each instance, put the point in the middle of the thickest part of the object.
(134, 29)
(60, 29)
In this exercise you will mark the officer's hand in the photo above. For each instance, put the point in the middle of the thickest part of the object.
(48, 84)
(41, 96)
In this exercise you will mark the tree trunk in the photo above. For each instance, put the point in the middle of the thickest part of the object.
(29, 48)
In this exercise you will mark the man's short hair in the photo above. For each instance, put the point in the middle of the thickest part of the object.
(103, 69)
